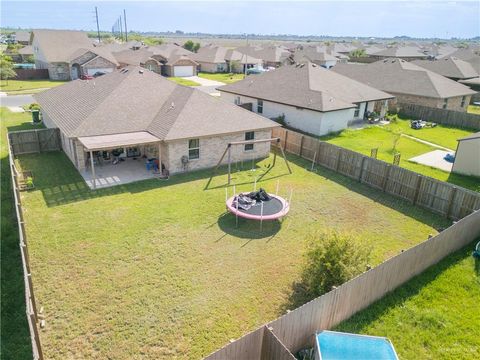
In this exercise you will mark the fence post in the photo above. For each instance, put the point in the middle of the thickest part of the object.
(361, 169)
(450, 202)
(385, 179)
(337, 165)
(301, 145)
(286, 138)
(38, 141)
(417, 189)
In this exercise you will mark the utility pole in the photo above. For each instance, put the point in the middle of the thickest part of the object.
(246, 58)
(98, 26)
(121, 27)
(125, 20)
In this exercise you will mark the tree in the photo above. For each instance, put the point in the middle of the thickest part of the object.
(189, 45)
(396, 138)
(358, 53)
(196, 47)
(332, 259)
(6, 68)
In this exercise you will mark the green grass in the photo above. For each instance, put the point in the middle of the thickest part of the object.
(473, 109)
(183, 81)
(157, 269)
(15, 342)
(381, 137)
(226, 78)
(17, 87)
(433, 316)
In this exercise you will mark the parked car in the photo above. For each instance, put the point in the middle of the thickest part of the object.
(99, 73)
(86, 77)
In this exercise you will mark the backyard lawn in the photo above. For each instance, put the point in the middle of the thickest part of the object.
(433, 316)
(474, 109)
(17, 87)
(226, 78)
(15, 342)
(183, 81)
(382, 137)
(156, 269)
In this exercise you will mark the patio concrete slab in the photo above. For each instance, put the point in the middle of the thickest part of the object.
(124, 172)
(434, 159)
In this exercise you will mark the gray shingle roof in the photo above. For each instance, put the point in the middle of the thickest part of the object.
(401, 51)
(132, 57)
(211, 54)
(140, 100)
(401, 77)
(309, 86)
(449, 67)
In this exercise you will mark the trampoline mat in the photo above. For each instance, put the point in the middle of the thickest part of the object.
(270, 207)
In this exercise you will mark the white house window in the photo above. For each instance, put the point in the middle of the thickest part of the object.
(260, 106)
(237, 100)
(463, 101)
(357, 111)
(445, 103)
(194, 149)
(250, 135)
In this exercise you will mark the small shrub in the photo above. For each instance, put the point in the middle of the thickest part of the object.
(29, 182)
(280, 119)
(34, 106)
(332, 259)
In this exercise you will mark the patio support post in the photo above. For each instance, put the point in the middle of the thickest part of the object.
(160, 158)
(93, 170)
(229, 162)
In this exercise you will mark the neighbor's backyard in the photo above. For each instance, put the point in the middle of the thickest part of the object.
(382, 137)
(156, 269)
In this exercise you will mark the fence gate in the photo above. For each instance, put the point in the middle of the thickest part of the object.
(34, 141)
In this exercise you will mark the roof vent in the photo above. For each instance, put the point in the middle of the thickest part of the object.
(302, 65)
(140, 71)
(314, 65)
(172, 106)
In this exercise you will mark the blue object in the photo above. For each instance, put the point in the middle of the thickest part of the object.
(450, 158)
(476, 252)
(149, 165)
(332, 345)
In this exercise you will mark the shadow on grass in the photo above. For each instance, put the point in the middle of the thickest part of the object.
(248, 229)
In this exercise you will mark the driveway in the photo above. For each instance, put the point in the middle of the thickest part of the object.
(206, 85)
(15, 100)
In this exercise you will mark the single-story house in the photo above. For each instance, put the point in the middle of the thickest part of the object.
(410, 83)
(270, 56)
(306, 97)
(69, 54)
(320, 58)
(175, 60)
(467, 156)
(473, 84)
(239, 63)
(22, 37)
(135, 115)
(450, 67)
(26, 52)
(211, 59)
(140, 57)
(407, 53)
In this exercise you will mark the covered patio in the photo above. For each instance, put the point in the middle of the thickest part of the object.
(121, 158)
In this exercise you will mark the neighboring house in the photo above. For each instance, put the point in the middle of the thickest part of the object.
(140, 113)
(175, 60)
(26, 52)
(450, 67)
(306, 97)
(141, 57)
(69, 54)
(22, 37)
(271, 56)
(467, 156)
(320, 58)
(407, 53)
(473, 84)
(240, 63)
(410, 83)
(212, 59)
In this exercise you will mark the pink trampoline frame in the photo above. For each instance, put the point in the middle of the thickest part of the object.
(285, 209)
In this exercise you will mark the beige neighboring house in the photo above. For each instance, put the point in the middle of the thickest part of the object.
(25, 52)
(410, 83)
(450, 67)
(22, 37)
(69, 54)
(311, 55)
(175, 60)
(270, 56)
(407, 53)
(212, 59)
(139, 57)
(136, 114)
(467, 156)
(306, 97)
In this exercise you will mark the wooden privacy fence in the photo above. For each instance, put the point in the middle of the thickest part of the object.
(34, 141)
(31, 306)
(441, 116)
(296, 329)
(440, 197)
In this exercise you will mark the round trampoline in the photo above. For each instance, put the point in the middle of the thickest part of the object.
(274, 208)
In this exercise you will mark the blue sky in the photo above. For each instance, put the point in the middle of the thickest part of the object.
(339, 18)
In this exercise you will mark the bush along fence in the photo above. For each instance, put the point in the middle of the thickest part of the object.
(441, 116)
(440, 197)
(31, 306)
(283, 337)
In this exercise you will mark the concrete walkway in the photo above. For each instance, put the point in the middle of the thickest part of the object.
(428, 143)
(203, 81)
(434, 159)
(16, 100)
